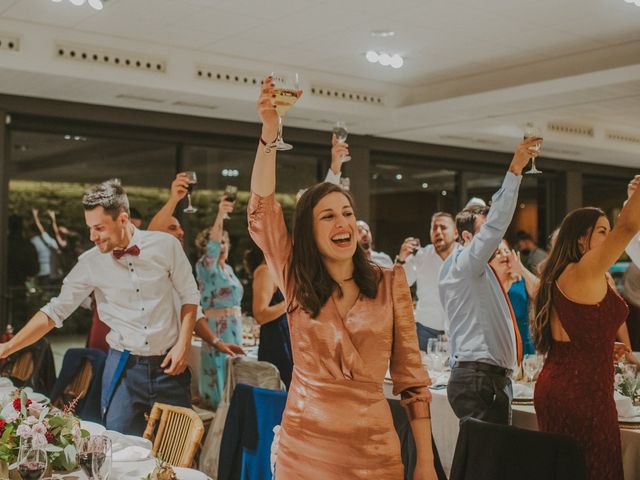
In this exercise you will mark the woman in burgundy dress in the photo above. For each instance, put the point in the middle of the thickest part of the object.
(577, 315)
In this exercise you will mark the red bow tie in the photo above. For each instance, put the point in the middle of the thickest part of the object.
(118, 254)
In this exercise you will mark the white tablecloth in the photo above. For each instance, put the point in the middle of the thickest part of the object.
(136, 471)
(445, 426)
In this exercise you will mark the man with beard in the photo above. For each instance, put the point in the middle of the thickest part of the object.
(365, 240)
(422, 265)
(532, 255)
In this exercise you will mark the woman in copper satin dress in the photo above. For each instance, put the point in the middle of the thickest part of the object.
(577, 315)
(349, 321)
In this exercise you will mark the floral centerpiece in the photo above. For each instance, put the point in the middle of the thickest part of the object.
(25, 422)
(626, 381)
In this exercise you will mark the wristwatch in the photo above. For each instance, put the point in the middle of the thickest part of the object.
(400, 262)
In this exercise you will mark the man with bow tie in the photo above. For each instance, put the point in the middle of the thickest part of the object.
(133, 274)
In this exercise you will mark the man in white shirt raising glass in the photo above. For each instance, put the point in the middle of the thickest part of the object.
(422, 265)
(133, 274)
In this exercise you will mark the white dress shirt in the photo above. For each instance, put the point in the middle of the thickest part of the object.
(134, 295)
(424, 267)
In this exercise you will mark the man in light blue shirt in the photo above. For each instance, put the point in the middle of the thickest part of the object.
(483, 339)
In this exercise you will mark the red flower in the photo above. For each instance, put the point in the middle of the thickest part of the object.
(49, 436)
(2, 425)
(17, 403)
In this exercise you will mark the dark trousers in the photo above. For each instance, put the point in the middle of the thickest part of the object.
(142, 384)
(424, 334)
(480, 394)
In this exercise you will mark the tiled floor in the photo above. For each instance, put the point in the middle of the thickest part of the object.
(61, 343)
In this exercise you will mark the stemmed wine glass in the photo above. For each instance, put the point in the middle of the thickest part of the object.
(32, 463)
(94, 457)
(230, 194)
(341, 133)
(531, 363)
(287, 92)
(192, 180)
(531, 130)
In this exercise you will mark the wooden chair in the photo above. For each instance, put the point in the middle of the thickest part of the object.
(177, 436)
(20, 366)
(78, 387)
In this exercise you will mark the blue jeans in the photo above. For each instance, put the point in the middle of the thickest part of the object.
(424, 334)
(142, 384)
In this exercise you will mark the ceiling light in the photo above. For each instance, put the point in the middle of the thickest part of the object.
(78, 3)
(398, 176)
(383, 33)
(425, 185)
(96, 4)
(372, 56)
(444, 193)
(385, 59)
(56, 1)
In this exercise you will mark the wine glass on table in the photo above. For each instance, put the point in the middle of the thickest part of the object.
(101, 461)
(192, 180)
(341, 133)
(230, 195)
(531, 130)
(32, 463)
(287, 92)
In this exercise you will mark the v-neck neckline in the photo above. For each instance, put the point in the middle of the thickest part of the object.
(335, 305)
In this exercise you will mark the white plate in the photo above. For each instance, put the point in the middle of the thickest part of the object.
(120, 441)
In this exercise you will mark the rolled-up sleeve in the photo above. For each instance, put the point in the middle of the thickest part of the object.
(76, 287)
(409, 376)
(268, 229)
(182, 276)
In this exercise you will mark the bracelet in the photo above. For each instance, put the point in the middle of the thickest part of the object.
(267, 146)
(400, 262)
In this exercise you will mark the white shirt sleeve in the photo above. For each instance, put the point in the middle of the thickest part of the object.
(633, 249)
(76, 287)
(182, 276)
(332, 177)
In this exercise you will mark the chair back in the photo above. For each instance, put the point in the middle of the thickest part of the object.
(488, 451)
(239, 370)
(32, 367)
(22, 366)
(176, 438)
(80, 384)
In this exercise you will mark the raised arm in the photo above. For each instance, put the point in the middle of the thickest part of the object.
(597, 261)
(633, 249)
(179, 188)
(265, 218)
(224, 207)
(531, 282)
(36, 219)
(62, 243)
(338, 152)
(503, 205)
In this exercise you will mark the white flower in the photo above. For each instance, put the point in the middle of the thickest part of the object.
(39, 441)
(76, 433)
(12, 416)
(35, 408)
(618, 379)
(23, 430)
(31, 420)
(39, 429)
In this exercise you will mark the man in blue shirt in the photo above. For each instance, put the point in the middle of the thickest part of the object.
(484, 342)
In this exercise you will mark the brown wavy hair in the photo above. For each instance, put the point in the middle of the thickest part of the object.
(313, 284)
(576, 225)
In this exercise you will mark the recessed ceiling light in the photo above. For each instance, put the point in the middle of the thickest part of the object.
(383, 33)
(425, 185)
(398, 176)
(372, 56)
(385, 59)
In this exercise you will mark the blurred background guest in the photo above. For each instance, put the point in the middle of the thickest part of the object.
(532, 255)
(46, 247)
(136, 217)
(365, 240)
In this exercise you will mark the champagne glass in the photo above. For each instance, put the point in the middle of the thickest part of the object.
(101, 461)
(192, 179)
(230, 195)
(341, 133)
(94, 446)
(287, 92)
(32, 463)
(531, 130)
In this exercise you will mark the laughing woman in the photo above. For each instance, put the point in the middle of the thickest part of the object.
(349, 320)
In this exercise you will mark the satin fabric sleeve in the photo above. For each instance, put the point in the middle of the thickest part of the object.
(268, 229)
(409, 376)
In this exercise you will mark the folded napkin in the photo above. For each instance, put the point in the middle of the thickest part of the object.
(624, 405)
(520, 390)
(131, 453)
(5, 382)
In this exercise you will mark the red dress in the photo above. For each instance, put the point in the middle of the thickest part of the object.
(574, 393)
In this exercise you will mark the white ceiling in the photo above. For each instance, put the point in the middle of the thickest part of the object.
(475, 70)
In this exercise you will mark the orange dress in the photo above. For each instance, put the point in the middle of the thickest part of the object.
(337, 424)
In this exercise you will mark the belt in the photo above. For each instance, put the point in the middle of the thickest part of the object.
(222, 312)
(145, 360)
(484, 367)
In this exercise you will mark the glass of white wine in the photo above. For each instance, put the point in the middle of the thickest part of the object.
(530, 130)
(287, 92)
(341, 133)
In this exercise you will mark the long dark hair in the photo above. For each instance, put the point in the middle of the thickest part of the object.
(577, 224)
(253, 258)
(313, 284)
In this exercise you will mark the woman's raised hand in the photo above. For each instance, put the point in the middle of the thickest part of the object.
(267, 110)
